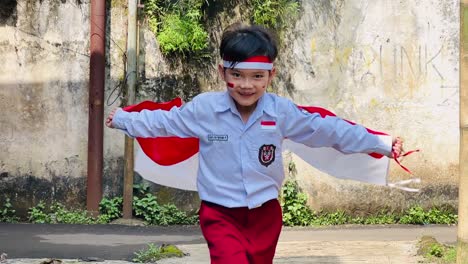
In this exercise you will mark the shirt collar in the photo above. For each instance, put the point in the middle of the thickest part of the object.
(225, 103)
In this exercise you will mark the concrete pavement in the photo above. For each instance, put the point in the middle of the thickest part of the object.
(28, 243)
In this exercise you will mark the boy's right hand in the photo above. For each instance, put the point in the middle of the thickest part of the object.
(110, 117)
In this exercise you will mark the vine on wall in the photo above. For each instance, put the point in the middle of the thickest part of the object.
(178, 24)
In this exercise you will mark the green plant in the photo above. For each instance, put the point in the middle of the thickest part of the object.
(276, 14)
(297, 213)
(110, 209)
(148, 208)
(437, 216)
(38, 215)
(141, 189)
(381, 218)
(417, 215)
(154, 9)
(154, 253)
(450, 255)
(57, 213)
(60, 214)
(336, 218)
(7, 213)
(294, 204)
(177, 26)
(436, 250)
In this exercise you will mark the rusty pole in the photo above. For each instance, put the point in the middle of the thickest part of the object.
(96, 107)
(131, 84)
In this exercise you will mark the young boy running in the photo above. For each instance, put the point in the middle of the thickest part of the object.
(240, 133)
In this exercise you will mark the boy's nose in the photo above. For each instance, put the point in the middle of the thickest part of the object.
(246, 83)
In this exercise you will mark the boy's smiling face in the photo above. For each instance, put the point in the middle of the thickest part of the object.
(246, 86)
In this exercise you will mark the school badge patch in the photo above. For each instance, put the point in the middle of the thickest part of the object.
(266, 154)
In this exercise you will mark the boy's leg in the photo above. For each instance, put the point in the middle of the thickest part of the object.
(263, 230)
(223, 234)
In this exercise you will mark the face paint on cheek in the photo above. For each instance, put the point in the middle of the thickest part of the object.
(230, 84)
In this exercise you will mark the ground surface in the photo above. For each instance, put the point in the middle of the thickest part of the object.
(114, 244)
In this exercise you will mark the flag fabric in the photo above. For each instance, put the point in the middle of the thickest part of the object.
(162, 160)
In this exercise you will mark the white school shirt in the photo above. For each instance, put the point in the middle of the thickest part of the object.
(240, 164)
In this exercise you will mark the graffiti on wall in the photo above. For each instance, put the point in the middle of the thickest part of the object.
(397, 68)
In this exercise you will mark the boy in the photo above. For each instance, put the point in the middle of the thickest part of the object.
(241, 132)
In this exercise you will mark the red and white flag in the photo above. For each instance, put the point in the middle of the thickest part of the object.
(161, 160)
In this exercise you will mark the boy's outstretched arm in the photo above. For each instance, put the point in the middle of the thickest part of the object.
(314, 131)
(179, 122)
(397, 146)
(110, 117)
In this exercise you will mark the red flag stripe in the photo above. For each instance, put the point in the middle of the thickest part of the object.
(165, 151)
(268, 123)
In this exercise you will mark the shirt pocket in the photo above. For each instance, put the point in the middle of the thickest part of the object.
(266, 158)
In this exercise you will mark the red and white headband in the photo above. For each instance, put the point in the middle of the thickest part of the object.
(252, 63)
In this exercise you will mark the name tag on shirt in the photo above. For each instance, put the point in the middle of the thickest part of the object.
(214, 137)
(268, 125)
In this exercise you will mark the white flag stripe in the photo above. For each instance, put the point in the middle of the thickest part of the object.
(358, 167)
(249, 65)
(269, 127)
(182, 175)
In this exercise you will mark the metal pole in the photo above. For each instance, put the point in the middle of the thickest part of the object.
(462, 247)
(96, 107)
(131, 83)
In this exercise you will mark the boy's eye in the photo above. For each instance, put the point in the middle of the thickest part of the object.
(258, 76)
(235, 74)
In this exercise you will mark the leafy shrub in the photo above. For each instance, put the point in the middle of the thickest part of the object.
(177, 26)
(417, 215)
(337, 218)
(276, 14)
(436, 250)
(38, 215)
(297, 213)
(57, 213)
(294, 204)
(148, 209)
(7, 213)
(110, 209)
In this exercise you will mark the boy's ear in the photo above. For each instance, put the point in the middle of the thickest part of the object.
(221, 71)
(272, 75)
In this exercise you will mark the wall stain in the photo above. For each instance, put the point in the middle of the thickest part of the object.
(167, 87)
(364, 200)
(26, 191)
(8, 14)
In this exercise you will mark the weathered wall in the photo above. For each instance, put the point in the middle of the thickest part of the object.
(391, 65)
(43, 95)
(44, 98)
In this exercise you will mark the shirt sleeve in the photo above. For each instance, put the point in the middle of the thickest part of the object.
(179, 122)
(313, 130)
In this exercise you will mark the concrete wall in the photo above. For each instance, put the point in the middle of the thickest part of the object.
(391, 65)
(44, 98)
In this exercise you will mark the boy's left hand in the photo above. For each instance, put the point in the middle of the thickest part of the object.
(397, 146)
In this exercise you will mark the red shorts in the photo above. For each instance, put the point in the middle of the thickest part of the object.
(239, 235)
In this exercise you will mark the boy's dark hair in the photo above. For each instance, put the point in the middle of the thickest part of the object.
(240, 42)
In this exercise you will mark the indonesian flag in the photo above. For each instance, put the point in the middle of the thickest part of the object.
(161, 160)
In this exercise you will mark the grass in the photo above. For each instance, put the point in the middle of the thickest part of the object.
(436, 252)
(154, 253)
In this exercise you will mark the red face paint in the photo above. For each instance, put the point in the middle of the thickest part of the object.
(230, 84)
